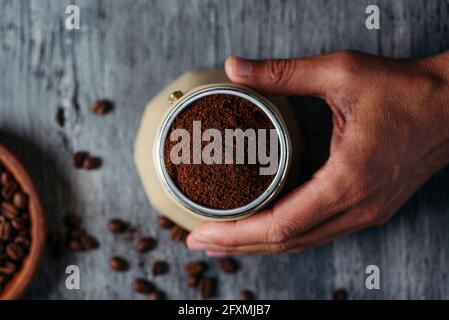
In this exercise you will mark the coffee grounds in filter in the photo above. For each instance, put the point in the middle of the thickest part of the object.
(219, 186)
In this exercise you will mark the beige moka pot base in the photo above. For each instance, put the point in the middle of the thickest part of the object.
(148, 143)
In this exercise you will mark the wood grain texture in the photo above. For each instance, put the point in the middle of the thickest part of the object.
(126, 51)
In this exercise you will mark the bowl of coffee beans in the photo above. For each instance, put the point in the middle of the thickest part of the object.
(22, 227)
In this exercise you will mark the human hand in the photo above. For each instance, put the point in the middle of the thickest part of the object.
(390, 135)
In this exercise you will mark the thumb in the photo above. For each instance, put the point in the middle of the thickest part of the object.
(303, 76)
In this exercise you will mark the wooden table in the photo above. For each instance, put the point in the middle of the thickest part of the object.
(127, 51)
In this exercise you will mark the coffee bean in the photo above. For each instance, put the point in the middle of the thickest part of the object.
(246, 295)
(18, 224)
(76, 246)
(145, 244)
(156, 295)
(8, 268)
(143, 286)
(5, 231)
(192, 280)
(20, 200)
(78, 159)
(14, 227)
(22, 241)
(9, 210)
(117, 226)
(178, 234)
(89, 243)
(227, 265)
(339, 294)
(14, 252)
(194, 267)
(101, 107)
(206, 287)
(72, 221)
(91, 163)
(8, 191)
(76, 233)
(165, 223)
(118, 264)
(6, 179)
(159, 268)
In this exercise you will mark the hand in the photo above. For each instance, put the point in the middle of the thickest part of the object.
(390, 135)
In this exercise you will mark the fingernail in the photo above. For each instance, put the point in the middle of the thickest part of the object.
(241, 67)
(216, 254)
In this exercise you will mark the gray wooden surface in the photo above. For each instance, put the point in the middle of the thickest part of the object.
(128, 50)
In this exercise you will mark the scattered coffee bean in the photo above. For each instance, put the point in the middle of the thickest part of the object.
(83, 160)
(178, 234)
(206, 287)
(195, 267)
(76, 233)
(76, 239)
(156, 295)
(145, 244)
(160, 268)
(92, 163)
(227, 265)
(142, 286)
(118, 264)
(89, 242)
(78, 159)
(339, 294)
(117, 226)
(75, 246)
(165, 223)
(101, 107)
(247, 295)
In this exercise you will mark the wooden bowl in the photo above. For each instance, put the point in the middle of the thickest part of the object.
(22, 278)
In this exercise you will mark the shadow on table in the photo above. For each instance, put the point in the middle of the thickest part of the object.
(55, 192)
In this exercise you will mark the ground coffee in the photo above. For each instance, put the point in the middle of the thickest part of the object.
(219, 186)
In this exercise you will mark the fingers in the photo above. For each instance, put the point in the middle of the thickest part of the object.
(317, 200)
(334, 228)
(305, 76)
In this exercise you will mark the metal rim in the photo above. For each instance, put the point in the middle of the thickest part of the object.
(262, 199)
